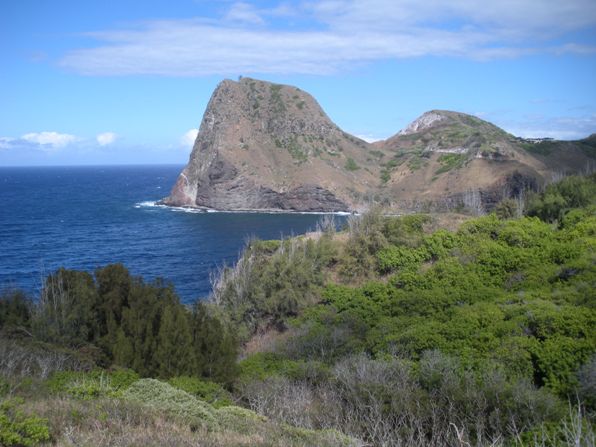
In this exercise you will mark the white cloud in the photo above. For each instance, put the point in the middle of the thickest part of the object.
(106, 138)
(6, 142)
(188, 139)
(341, 33)
(368, 138)
(244, 13)
(51, 139)
(560, 128)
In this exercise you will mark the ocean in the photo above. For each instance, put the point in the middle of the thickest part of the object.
(87, 217)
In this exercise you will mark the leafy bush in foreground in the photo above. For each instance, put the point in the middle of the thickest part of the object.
(165, 397)
(18, 428)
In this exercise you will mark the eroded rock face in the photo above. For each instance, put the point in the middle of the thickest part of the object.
(264, 146)
(421, 123)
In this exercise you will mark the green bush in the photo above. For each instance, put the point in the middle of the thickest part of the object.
(559, 198)
(15, 312)
(351, 165)
(261, 365)
(20, 429)
(92, 384)
(395, 258)
(164, 397)
(210, 392)
(450, 161)
(239, 419)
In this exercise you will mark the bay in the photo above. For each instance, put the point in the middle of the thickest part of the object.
(87, 217)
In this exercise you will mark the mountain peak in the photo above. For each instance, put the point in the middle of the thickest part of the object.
(424, 121)
(270, 146)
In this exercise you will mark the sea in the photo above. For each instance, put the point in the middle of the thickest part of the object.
(83, 218)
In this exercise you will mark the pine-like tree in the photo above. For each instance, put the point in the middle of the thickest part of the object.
(174, 354)
(214, 345)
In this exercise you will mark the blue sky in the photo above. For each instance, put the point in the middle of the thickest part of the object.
(121, 82)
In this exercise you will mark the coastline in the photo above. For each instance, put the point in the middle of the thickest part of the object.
(205, 210)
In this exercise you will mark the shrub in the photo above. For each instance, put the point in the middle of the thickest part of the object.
(239, 419)
(587, 383)
(210, 392)
(15, 312)
(558, 198)
(93, 384)
(26, 358)
(400, 258)
(351, 165)
(450, 161)
(19, 429)
(164, 397)
(506, 209)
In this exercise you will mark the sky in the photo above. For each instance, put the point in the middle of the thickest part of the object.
(127, 82)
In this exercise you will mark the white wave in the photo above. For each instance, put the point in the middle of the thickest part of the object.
(149, 204)
(186, 209)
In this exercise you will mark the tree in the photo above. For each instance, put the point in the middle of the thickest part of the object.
(174, 355)
(215, 346)
(67, 312)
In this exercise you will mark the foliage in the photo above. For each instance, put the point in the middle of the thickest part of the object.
(117, 319)
(450, 161)
(92, 384)
(491, 326)
(351, 165)
(15, 311)
(20, 429)
(506, 209)
(372, 234)
(269, 284)
(558, 198)
(164, 397)
(210, 392)
(261, 365)
(587, 383)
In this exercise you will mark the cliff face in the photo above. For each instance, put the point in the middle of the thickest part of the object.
(264, 146)
(267, 146)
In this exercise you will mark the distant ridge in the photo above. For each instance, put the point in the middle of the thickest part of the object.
(266, 146)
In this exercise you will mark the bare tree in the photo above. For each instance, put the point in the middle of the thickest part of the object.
(472, 200)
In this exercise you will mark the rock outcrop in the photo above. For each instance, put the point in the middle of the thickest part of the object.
(265, 146)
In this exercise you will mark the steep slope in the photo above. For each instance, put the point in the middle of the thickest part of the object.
(444, 155)
(265, 146)
(271, 147)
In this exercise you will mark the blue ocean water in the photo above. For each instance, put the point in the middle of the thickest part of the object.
(87, 217)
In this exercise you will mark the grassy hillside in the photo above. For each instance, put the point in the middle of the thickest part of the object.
(484, 334)
(394, 331)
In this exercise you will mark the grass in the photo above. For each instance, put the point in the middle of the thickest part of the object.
(296, 150)
(416, 162)
(541, 148)
(149, 413)
(385, 176)
(276, 102)
(450, 161)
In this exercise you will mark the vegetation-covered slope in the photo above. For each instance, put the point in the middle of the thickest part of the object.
(490, 329)
(392, 332)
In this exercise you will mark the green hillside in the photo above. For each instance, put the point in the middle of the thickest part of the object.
(393, 331)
